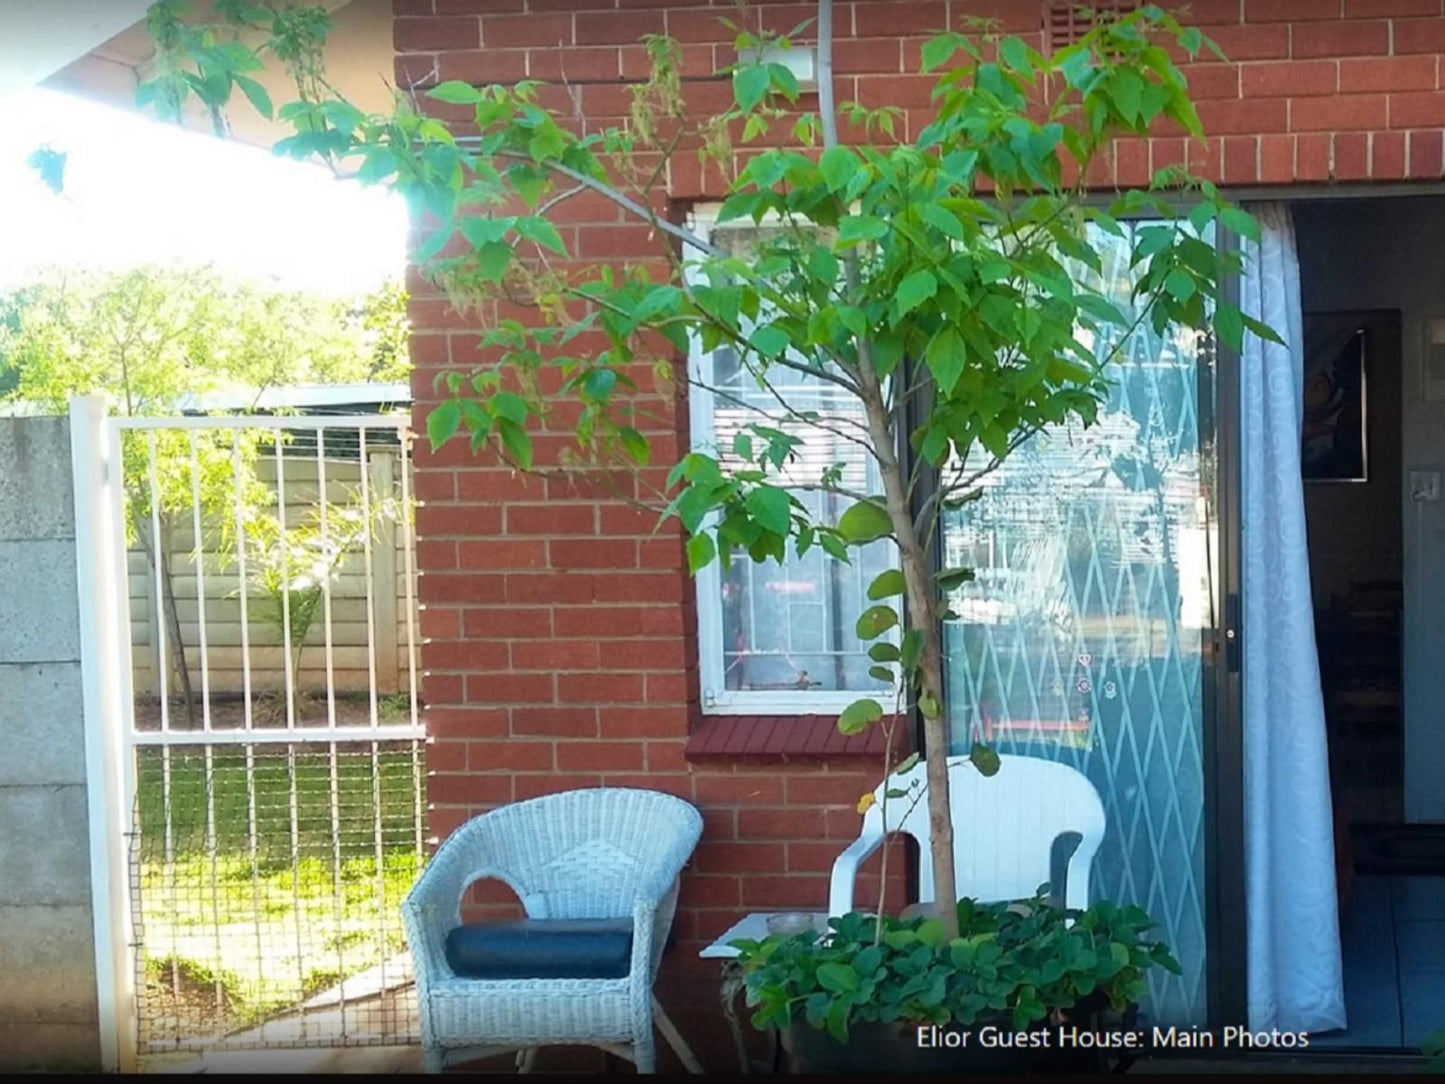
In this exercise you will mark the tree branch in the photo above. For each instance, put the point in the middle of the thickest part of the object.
(791, 415)
(624, 201)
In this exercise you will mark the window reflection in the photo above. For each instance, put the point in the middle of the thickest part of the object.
(1080, 640)
(791, 626)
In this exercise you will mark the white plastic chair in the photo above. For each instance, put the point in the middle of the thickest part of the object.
(1004, 828)
(582, 854)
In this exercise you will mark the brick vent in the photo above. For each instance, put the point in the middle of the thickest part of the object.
(1066, 21)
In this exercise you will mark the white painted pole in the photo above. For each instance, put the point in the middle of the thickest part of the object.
(95, 472)
(327, 572)
(238, 472)
(370, 572)
(382, 466)
(285, 543)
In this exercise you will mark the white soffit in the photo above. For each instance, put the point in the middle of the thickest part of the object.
(39, 37)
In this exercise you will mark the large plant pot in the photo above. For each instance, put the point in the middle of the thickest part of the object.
(887, 1049)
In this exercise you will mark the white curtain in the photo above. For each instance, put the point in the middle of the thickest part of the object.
(1293, 915)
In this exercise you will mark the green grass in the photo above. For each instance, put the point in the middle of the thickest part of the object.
(275, 922)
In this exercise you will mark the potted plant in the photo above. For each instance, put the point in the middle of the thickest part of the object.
(1025, 987)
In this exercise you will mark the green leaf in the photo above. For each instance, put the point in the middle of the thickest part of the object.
(517, 441)
(660, 299)
(1016, 55)
(634, 444)
(886, 584)
(598, 384)
(911, 647)
(509, 405)
(906, 764)
(481, 230)
(839, 165)
(443, 421)
(937, 50)
(1126, 89)
(769, 340)
(1101, 308)
(1263, 330)
(542, 232)
(493, 259)
(1229, 325)
(884, 652)
(864, 521)
(1179, 284)
(945, 357)
(930, 932)
(700, 551)
(455, 92)
(951, 578)
(881, 673)
(929, 706)
(855, 229)
(859, 715)
(771, 508)
(1240, 222)
(875, 621)
(750, 85)
(784, 81)
(914, 291)
(984, 759)
(256, 94)
(942, 219)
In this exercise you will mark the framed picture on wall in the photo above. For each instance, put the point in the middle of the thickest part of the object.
(1335, 441)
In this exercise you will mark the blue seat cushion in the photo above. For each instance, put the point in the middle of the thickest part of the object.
(542, 948)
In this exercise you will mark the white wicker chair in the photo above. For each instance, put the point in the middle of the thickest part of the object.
(582, 854)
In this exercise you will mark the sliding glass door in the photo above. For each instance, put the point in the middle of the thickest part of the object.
(1086, 635)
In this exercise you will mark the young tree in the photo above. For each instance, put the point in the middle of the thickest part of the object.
(296, 565)
(932, 282)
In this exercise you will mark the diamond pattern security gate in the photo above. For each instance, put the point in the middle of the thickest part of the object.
(271, 774)
(1082, 637)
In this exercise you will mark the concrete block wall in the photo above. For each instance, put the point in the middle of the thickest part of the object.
(48, 1015)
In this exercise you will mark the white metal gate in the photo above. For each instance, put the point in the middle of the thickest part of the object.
(257, 779)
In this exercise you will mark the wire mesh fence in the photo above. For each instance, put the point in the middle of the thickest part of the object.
(266, 881)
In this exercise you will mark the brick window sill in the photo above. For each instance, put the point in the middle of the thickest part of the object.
(781, 737)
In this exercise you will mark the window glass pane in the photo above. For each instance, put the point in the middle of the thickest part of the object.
(1081, 639)
(791, 626)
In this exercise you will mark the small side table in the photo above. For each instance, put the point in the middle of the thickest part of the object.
(753, 927)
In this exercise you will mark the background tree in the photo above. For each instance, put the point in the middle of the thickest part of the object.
(295, 566)
(929, 282)
(157, 341)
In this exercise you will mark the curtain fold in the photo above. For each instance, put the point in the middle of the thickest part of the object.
(1295, 979)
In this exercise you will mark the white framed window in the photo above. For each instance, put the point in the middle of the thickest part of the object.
(779, 639)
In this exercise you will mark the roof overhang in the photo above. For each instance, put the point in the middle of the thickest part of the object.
(101, 51)
(39, 37)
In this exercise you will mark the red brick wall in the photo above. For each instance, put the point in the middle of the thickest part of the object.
(559, 645)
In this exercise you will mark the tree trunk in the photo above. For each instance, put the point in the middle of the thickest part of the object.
(921, 615)
(160, 556)
(922, 610)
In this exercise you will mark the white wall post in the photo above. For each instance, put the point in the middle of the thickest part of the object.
(382, 482)
(104, 655)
